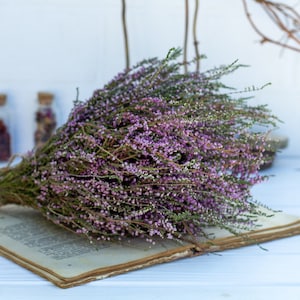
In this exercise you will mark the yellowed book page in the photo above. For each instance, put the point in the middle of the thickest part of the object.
(68, 259)
(29, 236)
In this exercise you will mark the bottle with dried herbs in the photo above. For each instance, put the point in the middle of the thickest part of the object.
(5, 139)
(45, 119)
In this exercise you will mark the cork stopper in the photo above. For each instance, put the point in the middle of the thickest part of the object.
(2, 99)
(45, 98)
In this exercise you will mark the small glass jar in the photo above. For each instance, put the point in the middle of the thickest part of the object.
(45, 119)
(5, 138)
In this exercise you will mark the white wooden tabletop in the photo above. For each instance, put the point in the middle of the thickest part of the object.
(241, 274)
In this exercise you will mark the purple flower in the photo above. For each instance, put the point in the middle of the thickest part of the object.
(153, 153)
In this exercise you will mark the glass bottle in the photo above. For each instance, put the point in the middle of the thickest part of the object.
(5, 139)
(45, 119)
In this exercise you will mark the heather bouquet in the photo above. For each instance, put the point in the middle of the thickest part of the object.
(154, 153)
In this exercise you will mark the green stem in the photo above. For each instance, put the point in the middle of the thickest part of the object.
(17, 185)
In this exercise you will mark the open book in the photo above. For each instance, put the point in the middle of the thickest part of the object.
(67, 259)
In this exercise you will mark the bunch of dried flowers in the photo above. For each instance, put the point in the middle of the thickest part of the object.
(153, 153)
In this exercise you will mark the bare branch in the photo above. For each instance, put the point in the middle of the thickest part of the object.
(196, 43)
(125, 34)
(285, 18)
(186, 36)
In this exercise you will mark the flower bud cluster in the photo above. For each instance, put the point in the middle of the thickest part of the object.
(155, 153)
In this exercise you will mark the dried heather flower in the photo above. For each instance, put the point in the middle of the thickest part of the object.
(153, 153)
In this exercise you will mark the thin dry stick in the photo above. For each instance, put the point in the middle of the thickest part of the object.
(186, 32)
(289, 16)
(125, 34)
(196, 42)
(286, 18)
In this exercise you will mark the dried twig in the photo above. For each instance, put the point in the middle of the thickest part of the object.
(186, 36)
(125, 34)
(285, 18)
(196, 43)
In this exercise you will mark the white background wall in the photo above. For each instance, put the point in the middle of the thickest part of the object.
(58, 45)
